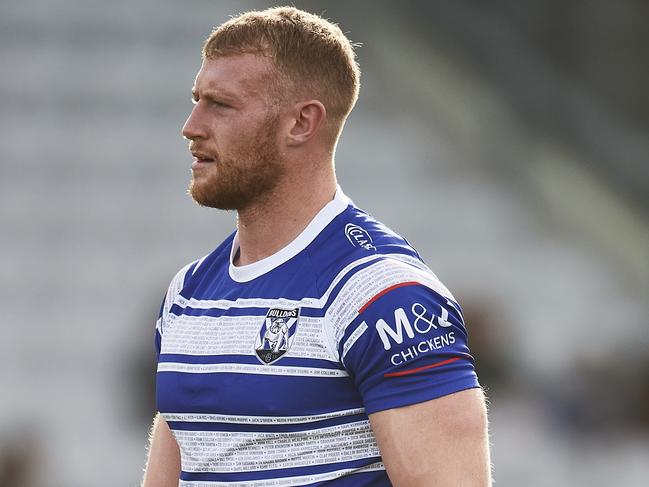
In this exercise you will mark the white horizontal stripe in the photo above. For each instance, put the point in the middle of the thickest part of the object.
(288, 481)
(249, 369)
(236, 335)
(315, 303)
(248, 451)
(229, 418)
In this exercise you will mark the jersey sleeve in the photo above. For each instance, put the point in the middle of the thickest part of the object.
(175, 286)
(406, 341)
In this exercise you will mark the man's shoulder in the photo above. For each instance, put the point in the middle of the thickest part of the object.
(377, 265)
(355, 239)
(219, 255)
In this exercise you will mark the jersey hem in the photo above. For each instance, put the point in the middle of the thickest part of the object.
(397, 401)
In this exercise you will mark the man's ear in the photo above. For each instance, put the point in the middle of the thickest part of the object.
(309, 117)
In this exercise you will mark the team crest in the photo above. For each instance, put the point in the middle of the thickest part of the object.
(276, 334)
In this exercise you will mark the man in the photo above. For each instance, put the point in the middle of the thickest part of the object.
(373, 383)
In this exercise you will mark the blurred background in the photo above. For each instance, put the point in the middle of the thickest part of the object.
(507, 140)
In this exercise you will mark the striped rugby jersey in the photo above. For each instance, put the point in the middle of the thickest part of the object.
(267, 372)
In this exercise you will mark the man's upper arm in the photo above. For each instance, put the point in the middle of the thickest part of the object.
(442, 442)
(407, 344)
(406, 348)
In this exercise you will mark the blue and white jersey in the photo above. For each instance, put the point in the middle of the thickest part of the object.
(267, 372)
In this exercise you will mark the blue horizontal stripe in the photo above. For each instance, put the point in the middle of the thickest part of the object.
(375, 478)
(312, 363)
(254, 395)
(218, 312)
(265, 428)
(236, 311)
(275, 473)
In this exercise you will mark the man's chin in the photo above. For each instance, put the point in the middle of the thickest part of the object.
(211, 198)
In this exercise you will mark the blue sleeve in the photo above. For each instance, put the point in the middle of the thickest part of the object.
(406, 346)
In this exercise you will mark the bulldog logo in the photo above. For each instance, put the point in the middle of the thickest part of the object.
(276, 334)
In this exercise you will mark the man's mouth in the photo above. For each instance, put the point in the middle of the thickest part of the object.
(201, 158)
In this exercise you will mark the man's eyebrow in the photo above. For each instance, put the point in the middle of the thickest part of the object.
(213, 94)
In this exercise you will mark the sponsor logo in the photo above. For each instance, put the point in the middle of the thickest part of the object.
(359, 237)
(276, 334)
(395, 332)
(421, 324)
(424, 346)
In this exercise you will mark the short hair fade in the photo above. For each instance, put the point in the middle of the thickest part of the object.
(312, 54)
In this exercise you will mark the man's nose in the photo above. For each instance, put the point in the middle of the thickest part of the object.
(194, 127)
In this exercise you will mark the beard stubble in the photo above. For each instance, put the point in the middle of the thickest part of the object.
(243, 176)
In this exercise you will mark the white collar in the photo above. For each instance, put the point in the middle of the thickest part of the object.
(249, 272)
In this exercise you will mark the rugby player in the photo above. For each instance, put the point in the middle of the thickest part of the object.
(373, 383)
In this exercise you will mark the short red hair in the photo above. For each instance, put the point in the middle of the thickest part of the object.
(313, 56)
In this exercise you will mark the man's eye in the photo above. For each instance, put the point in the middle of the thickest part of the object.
(221, 104)
(194, 101)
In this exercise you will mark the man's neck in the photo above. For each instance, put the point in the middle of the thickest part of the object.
(272, 224)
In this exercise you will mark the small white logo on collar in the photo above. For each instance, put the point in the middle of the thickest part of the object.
(359, 237)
